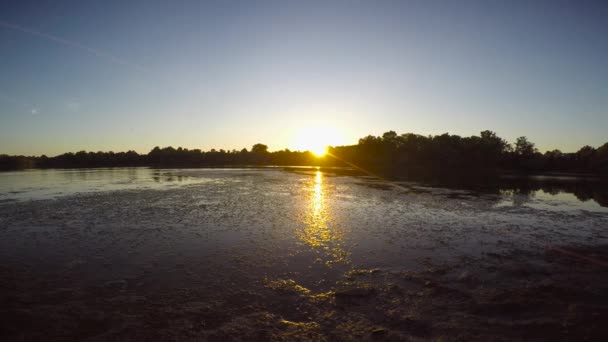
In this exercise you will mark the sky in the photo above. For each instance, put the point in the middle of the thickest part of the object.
(131, 75)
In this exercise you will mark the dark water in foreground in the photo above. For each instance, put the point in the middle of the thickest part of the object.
(265, 254)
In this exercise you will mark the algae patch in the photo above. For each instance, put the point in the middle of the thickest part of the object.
(287, 286)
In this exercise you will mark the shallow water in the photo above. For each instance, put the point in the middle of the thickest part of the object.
(228, 238)
(53, 183)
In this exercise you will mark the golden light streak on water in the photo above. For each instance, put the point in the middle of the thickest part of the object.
(318, 232)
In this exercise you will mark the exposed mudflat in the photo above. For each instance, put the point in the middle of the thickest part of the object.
(270, 255)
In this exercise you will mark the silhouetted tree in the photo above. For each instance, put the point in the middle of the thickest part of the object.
(259, 148)
(523, 147)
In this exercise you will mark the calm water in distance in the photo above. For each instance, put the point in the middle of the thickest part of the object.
(56, 183)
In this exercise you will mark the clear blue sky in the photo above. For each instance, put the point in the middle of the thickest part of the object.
(103, 75)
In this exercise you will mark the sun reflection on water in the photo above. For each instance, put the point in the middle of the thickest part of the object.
(318, 233)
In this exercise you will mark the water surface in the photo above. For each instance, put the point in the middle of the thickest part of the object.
(292, 254)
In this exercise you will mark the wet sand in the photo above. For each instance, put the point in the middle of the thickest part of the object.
(269, 255)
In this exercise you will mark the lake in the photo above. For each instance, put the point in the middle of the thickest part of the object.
(298, 254)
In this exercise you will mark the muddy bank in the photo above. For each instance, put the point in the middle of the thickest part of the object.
(516, 296)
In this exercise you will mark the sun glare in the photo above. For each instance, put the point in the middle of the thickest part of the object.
(319, 151)
(316, 139)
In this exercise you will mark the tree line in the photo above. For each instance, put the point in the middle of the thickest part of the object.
(391, 154)
(163, 157)
(411, 153)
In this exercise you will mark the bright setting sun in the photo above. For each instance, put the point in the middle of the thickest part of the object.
(319, 151)
(316, 139)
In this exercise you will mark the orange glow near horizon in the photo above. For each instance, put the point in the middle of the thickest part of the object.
(317, 138)
(319, 152)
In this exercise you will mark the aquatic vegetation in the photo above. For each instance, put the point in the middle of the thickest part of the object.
(352, 274)
(300, 331)
(287, 286)
(324, 297)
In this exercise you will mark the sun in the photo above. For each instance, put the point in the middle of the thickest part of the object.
(316, 139)
(319, 151)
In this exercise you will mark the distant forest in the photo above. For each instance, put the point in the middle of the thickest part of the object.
(390, 154)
